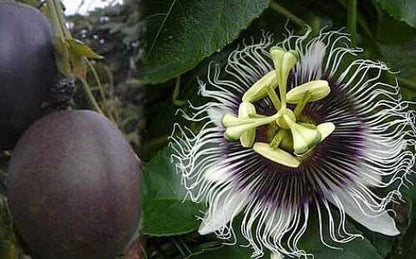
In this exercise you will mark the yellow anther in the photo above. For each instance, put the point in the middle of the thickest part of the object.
(276, 155)
(326, 129)
(304, 138)
(283, 62)
(246, 110)
(316, 90)
(259, 89)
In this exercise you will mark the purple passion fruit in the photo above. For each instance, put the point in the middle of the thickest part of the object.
(74, 187)
(27, 69)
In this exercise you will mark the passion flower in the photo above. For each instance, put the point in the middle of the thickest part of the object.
(294, 129)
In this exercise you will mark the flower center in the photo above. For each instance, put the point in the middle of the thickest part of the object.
(293, 136)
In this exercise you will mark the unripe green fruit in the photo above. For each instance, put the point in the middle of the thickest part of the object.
(27, 69)
(74, 187)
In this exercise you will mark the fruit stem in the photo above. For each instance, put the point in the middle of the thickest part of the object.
(100, 86)
(62, 32)
(61, 16)
(56, 23)
(90, 96)
(283, 11)
(352, 20)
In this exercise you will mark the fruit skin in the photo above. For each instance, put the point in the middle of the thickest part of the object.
(74, 187)
(27, 68)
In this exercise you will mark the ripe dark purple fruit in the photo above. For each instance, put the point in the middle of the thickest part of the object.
(27, 68)
(74, 187)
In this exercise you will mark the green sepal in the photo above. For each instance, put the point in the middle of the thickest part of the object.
(71, 54)
(276, 155)
(79, 48)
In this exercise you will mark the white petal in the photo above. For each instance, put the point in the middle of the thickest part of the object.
(383, 223)
(216, 113)
(369, 177)
(276, 256)
(224, 209)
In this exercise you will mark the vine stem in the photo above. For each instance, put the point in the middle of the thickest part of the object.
(176, 92)
(100, 86)
(283, 11)
(352, 20)
(406, 83)
(90, 96)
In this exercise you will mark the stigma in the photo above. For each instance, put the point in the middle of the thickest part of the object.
(294, 135)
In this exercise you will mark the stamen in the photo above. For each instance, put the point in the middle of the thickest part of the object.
(246, 110)
(260, 89)
(301, 105)
(274, 98)
(236, 126)
(304, 139)
(281, 122)
(318, 90)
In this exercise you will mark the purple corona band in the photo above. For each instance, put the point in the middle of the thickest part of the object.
(342, 148)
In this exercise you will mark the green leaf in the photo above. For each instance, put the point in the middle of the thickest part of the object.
(382, 243)
(229, 252)
(165, 217)
(402, 10)
(8, 248)
(78, 48)
(166, 212)
(356, 249)
(406, 222)
(397, 47)
(182, 33)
